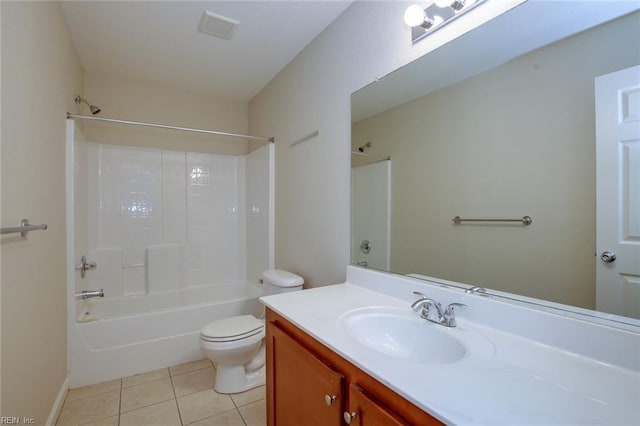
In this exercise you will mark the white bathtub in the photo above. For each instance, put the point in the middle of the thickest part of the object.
(120, 343)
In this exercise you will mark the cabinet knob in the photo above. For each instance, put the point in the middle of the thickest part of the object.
(329, 399)
(348, 417)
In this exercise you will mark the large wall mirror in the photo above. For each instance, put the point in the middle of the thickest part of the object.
(500, 123)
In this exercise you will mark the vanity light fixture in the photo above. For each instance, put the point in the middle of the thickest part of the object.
(435, 16)
(454, 4)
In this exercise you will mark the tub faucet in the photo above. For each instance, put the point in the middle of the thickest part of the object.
(87, 294)
(444, 317)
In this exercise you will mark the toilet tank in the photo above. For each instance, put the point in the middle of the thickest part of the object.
(279, 281)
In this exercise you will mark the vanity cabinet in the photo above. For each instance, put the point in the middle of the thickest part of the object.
(308, 383)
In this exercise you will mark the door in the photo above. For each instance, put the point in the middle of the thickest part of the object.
(303, 390)
(363, 411)
(371, 215)
(618, 192)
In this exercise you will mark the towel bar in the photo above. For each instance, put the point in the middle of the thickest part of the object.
(23, 229)
(525, 220)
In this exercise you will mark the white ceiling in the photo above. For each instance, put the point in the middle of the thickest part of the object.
(158, 41)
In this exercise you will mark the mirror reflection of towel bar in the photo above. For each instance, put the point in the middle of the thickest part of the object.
(525, 220)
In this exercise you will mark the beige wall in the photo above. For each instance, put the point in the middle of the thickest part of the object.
(138, 101)
(516, 140)
(313, 93)
(1, 222)
(40, 76)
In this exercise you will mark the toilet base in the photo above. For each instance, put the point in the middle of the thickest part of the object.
(235, 379)
(240, 366)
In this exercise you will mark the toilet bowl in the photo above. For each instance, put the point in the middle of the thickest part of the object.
(236, 344)
(233, 344)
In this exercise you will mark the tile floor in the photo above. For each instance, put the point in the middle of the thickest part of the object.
(174, 396)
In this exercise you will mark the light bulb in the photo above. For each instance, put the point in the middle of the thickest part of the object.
(443, 3)
(414, 15)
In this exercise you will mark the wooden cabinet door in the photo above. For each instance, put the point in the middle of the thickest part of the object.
(368, 412)
(300, 384)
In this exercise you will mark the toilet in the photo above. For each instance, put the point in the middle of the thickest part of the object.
(236, 344)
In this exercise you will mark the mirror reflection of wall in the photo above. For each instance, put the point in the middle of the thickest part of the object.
(512, 141)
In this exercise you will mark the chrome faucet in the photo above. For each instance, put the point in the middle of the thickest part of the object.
(87, 294)
(444, 317)
(424, 304)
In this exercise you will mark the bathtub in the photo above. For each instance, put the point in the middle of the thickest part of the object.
(122, 342)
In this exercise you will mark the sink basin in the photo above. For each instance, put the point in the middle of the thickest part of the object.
(402, 334)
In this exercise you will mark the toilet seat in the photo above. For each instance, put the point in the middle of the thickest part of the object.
(232, 329)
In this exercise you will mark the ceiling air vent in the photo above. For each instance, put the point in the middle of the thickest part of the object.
(217, 25)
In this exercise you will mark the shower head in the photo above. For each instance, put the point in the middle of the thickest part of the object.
(93, 108)
(361, 148)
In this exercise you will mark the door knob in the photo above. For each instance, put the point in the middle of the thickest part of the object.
(608, 256)
(349, 416)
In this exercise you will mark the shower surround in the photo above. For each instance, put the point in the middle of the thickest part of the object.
(161, 221)
(179, 239)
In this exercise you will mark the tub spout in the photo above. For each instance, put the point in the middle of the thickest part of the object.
(86, 294)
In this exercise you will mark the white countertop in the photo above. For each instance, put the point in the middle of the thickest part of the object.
(520, 381)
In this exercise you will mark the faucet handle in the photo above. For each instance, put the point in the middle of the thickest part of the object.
(452, 306)
(449, 313)
(417, 304)
(421, 304)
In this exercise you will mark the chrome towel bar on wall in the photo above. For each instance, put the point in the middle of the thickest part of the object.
(525, 220)
(23, 229)
(305, 138)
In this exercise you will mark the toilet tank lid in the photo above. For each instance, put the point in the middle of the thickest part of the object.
(282, 278)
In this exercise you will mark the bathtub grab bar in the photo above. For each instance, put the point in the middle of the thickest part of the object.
(23, 229)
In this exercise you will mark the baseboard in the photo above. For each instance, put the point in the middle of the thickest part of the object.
(57, 405)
